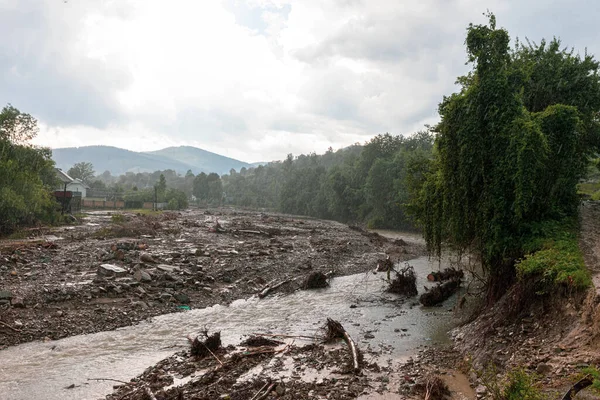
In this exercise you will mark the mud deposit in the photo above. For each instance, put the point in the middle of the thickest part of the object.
(53, 285)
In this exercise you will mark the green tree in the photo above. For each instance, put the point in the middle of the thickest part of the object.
(27, 174)
(84, 171)
(508, 155)
(161, 188)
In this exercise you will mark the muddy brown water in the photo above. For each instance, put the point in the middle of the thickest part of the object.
(46, 370)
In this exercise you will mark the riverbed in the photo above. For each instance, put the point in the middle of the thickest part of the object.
(62, 369)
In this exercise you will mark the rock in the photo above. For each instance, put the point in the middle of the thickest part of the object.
(543, 369)
(18, 302)
(369, 335)
(5, 295)
(142, 276)
(111, 270)
(167, 268)
(165, 297)
(182, 298)
(147, 258)
(280, 389)
(480, 390)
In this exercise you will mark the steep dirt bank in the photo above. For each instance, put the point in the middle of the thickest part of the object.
(55, 285)
(555, 338)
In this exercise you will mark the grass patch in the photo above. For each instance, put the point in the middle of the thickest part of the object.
(589, 188)
(593, 371)
(517, 384)
(554, 259)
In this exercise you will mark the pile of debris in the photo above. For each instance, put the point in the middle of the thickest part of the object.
(405, 282)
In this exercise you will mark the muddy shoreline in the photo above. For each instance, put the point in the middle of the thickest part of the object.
(54, 285)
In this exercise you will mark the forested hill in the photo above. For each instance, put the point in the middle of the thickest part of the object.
(367, 183)
(120, 161)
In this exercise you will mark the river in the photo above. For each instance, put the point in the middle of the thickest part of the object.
(46, 370)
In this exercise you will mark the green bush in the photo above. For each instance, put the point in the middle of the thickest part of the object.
(554, 258)
(515, 385)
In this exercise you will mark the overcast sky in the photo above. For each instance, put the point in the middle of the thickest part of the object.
(254, 79)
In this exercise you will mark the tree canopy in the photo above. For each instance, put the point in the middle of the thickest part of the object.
(27, 173)
(510, 148)
(84, 171)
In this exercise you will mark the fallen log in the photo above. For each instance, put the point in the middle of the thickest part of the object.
(439, 293)
(448, 273)
(335, 330)
(265, 292)
(576, 388)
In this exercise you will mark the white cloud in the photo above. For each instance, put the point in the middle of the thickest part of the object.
(253, 79)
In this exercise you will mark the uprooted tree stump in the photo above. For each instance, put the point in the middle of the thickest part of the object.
(205, 344)
(405, 282)
(316, 280)
(260, 341)
(448, 273)
(439, 293)
(334, 330)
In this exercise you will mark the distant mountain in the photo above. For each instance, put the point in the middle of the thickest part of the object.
(202, 160)
(119, 161)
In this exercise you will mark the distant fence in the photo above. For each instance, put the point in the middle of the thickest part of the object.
(103, 204)
(119, 204)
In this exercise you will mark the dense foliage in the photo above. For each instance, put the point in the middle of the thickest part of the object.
(510, 149)
(356, 184)
(27, 174)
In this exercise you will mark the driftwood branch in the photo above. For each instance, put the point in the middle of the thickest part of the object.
(265, 292)
(9, 327)
(576, 388)
(265, 394)
(108, 379)
(336, 330)
(287, 336)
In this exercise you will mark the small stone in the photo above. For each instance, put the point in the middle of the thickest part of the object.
(543, 368)
(5, 295)
(142, 276)
(18, 302)
(369, 335)
(111, 270)
(165, 296)
(167, 268)
(182, 298)
(147, 258)
(280, 389)
(480, 390)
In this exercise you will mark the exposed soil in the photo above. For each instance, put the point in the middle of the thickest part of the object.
(54, 285)
(554, 339)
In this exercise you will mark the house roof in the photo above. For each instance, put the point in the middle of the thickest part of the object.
(79, 181)
(63, 176)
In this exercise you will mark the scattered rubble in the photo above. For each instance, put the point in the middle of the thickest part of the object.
(102, 275)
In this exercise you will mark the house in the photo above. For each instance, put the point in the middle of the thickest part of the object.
(68, 184)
